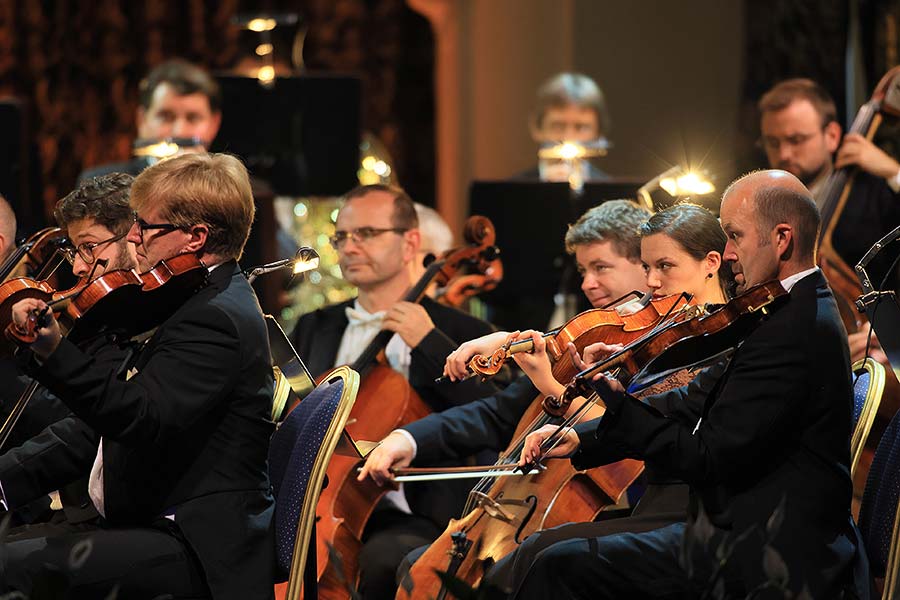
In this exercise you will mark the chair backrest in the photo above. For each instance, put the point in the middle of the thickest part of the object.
(298, 456)
(868, 386)
(878, 522)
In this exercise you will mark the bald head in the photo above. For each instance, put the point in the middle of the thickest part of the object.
(7, 228)
(779, 197)
(772, 225)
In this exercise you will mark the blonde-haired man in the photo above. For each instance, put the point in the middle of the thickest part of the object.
(180, 476)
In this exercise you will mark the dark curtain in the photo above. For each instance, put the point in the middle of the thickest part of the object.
(76, 65)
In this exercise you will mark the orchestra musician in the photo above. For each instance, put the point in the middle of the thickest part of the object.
(801, 134)
(180, 473)
(676, 250)
(49, 447)
(377, 236)
(765, 452)
(568, 107)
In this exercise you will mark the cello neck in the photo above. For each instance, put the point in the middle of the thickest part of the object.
(415, 294)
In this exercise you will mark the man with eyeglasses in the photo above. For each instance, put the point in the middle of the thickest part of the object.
(376, 237)
(180, 475)
(50, 448)
(801, 134)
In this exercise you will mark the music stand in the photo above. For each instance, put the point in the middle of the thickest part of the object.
(531, 219)
(301, 135)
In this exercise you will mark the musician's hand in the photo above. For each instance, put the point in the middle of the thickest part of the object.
(592, 354)
(857, 150)
(456, 366)
(531, 451)
(394, 451)
(536, 364)
(858, 342)
(410, 320)
(48, 337)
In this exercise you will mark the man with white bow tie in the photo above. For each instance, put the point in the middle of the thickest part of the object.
(376, 237)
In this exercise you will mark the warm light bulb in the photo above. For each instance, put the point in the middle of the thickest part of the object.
(264, 49)
(266, 74)
(260, 25)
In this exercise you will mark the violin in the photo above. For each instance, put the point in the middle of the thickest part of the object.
(37, 257)
(504, 511)
(345, 504)
(607, 325)
(842, 279)
(122, 300)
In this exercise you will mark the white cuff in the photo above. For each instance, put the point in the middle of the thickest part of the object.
(894, 182)
(410, 439)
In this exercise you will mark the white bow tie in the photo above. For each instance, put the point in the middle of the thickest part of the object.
(358, 317)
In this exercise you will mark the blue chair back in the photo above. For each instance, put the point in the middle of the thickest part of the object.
(298, 455)
(861, 381)
(877, 513)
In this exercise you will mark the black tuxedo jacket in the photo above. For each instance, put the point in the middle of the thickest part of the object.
(775, 429)
(317, 338)
(188, 434)
(59, 449)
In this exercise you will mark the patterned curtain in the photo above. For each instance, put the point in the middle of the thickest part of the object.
(76, 66)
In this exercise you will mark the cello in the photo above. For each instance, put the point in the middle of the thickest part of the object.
(502, 513)
(345, 505)
(842, 279)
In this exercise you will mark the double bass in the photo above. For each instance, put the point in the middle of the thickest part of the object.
(345, 504)
(842, 279)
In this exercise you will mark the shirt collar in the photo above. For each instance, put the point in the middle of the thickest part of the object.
(788, 282)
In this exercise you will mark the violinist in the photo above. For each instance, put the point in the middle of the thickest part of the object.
(801, 134)
(49, 448)
(768, 444)
(376, 237)
(180, 473)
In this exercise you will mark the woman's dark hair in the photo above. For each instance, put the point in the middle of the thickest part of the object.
(697, 231)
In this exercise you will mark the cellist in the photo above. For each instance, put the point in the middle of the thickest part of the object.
(377, 236)
(617, 250)
(800, 134)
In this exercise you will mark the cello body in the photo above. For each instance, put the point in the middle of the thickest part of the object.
(507, 510)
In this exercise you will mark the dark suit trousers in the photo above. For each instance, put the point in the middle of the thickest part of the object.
(390, 534)
(88, 562)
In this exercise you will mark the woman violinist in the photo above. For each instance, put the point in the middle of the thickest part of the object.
(48, 444)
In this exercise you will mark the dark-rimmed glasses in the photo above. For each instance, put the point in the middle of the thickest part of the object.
(145, 226)
(361, 235)
(86, 250)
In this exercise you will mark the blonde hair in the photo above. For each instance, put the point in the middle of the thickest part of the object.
(208, 189)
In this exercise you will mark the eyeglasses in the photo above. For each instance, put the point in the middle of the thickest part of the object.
(86, 250)
(774, 143)
(145, 226)
(361, 235)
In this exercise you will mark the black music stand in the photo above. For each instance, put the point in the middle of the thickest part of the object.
(531, 219)
(301, 134)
